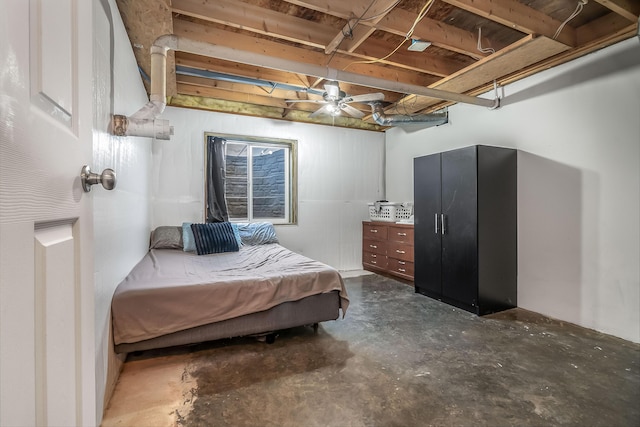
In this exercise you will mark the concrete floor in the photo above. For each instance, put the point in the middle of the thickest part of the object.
(396, 359)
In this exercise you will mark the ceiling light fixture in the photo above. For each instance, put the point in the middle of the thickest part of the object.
(418, 45)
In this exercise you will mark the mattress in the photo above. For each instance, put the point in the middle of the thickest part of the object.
(170, 290)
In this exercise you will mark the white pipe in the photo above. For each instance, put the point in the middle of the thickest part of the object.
(147, 127)
(170, 41)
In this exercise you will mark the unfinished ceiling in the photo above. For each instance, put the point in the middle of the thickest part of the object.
(471, 45)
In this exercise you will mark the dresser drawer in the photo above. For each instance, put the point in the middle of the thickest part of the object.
(375, 260)
(374, 231)
(400, 266)
(374, 246)
(401, 251)
(401, 234)
(387, 248)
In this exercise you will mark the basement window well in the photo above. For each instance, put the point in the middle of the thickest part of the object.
(259, 178)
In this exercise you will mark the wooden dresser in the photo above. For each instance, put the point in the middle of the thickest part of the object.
(388, 248)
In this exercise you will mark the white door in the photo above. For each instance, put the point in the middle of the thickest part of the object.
(47, 363)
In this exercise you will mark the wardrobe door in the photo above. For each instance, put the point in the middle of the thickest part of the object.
(427, 237)
(460, 237)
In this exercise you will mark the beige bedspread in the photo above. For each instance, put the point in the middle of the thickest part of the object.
(170, 290)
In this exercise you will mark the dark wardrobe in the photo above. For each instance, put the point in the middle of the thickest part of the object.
(465, 206)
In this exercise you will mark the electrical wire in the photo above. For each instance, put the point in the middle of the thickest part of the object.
(483, 49)
(423, 12)
(350, 34)
(575, 13)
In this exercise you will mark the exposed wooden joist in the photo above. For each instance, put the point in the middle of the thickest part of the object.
(628, 9)
(601, 27)
(258, 20)
(229, 95)
(235, 68)
(399, 21)
(262, 46)
(211, 104)
(251, 90)
(355, 33)
(518, 16)
(440, 34)
(418, 61)
(519, 55)
(568, 55)
(208, 11)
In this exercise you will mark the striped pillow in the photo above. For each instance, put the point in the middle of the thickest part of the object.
(214, 237)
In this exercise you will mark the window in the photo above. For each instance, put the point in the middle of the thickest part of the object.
(260, 178)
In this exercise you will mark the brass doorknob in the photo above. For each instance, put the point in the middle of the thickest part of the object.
(107, 178)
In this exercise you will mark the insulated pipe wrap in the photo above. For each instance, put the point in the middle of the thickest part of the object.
(433, 119)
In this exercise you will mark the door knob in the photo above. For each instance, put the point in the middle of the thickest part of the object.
(88, 178)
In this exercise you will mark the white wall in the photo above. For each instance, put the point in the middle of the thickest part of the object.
(121, 216)
(577, 127)
(339, 171)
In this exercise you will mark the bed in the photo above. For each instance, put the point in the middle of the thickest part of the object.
(175, 296)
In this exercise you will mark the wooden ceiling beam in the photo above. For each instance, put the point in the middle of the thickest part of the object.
(258, 20)
(229, 95)
(519, 55)
(628, 9)
(440, 34)
(398, 22)
(247, 18)
(247, 109)
(355, 33)
(338, 8)
(601, 27)
(236, 69)
(518, 16)
(239, 87)
(262, 46)
(418, 61)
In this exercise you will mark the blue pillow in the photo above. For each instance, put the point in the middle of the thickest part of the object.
(214, 237)
(257, 233)
(188, 241)
(236, 233)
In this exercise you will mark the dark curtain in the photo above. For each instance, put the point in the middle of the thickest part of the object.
(216, 203)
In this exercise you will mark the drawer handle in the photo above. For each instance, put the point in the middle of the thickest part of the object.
(402, 234)
(373, 246)
(400, 252)
(402, 270)
(374, 256)
(373, 231)
(401, 262)
(373, 262)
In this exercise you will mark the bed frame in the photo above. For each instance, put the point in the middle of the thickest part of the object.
(307, 311)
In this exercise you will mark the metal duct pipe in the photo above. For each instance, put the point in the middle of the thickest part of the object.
(433, 119)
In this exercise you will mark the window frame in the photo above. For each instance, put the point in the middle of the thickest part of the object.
(292, 175)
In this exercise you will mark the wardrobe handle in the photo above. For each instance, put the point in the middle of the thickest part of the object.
(436, 218)
(444, 222)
